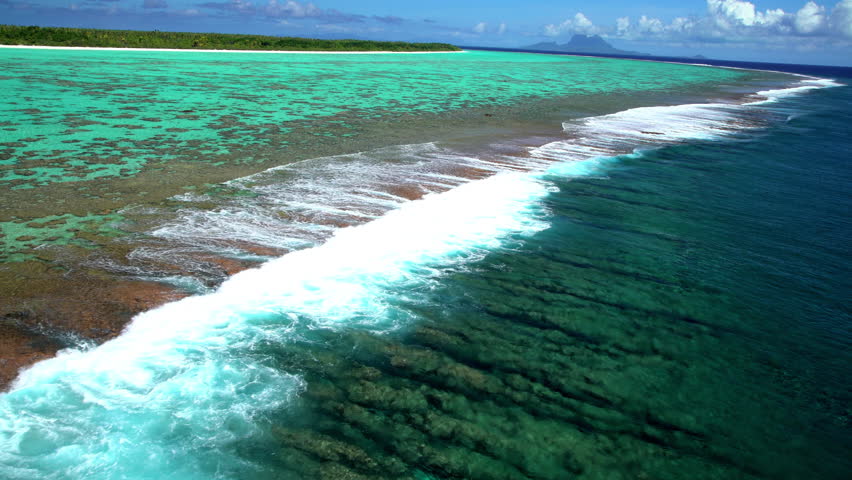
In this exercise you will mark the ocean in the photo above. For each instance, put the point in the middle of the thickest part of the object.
(514, 266)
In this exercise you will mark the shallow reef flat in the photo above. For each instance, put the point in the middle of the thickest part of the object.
(99, 148)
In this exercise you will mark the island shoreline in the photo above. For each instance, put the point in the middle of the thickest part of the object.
(198, 50)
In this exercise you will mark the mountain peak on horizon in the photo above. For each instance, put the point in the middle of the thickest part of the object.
(581, 43)
(589, 40)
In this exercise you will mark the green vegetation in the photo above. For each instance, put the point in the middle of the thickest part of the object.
(88, 37)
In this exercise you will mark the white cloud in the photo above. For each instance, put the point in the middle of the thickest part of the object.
(810, 18)
(623, 24)
(681, 25)
(480, 27)
(650, 25)
(501, 29)
(728, 13)
(583, 24)
(578, 24)
(732, 14)
(736, 21)
(773, 17)
(841, 18)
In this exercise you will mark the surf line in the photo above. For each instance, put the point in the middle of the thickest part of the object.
(327, 280)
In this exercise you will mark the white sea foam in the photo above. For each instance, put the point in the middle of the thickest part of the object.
(594, 138)
(803, 86)
(300, 205)
(185, 370)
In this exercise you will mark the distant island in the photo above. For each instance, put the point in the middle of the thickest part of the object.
(590, 44)
(88, 37)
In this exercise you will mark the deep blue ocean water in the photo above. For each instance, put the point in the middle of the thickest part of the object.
(815, 70)
(680, 310)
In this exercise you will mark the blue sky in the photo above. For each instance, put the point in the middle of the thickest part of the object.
(774, 30)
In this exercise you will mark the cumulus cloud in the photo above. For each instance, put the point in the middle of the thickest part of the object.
(727, 13)
(841, 18)
(738, 21)
(681, 25)
(578, 24)
(480, 27)
(583, 24)
(650, 25)
(502, 28)
(810, 18)
(622, 25)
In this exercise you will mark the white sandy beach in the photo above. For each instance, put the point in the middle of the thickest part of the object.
(216, 51)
